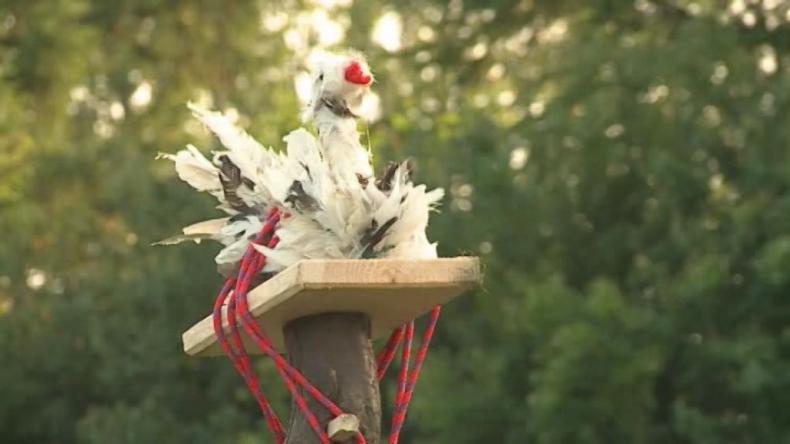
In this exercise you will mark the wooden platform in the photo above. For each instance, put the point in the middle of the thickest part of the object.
(390, 291)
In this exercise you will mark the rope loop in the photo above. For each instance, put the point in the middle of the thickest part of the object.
(233, 297)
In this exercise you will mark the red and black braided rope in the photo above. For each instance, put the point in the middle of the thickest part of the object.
(234, 296)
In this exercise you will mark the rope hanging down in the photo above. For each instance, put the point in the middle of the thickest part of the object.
(234, 297)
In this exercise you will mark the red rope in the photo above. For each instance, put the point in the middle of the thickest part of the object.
(388, 352)
(234, 293)
(289, 375)
(272, 422)
(239, 356)
(402, 403)
(405, 360)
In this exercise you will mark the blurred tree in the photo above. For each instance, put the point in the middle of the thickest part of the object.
(623, 167)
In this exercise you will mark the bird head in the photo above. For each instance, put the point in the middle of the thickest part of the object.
(341, 80)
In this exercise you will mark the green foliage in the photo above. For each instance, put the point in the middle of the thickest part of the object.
(622, 167)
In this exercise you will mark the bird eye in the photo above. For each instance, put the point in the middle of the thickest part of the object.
(321, 77)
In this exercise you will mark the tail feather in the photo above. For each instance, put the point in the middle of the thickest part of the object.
(209, 227)
(335, 212)
(246, 153)
(193, 168)
(232, 181)
(179, 238)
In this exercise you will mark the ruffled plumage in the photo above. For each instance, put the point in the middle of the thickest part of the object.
(337, 208)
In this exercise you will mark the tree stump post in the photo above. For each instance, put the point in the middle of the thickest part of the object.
(334, 352)
(324, 313)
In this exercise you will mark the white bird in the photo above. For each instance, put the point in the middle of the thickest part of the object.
(337, 208)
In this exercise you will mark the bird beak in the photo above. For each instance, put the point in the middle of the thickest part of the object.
(356, 75)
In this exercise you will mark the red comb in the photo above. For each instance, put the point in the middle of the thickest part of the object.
(355, 75)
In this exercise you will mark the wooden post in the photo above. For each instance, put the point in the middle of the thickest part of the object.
(324, 313)
(333, 351)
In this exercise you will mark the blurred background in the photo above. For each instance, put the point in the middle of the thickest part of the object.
(622, 167)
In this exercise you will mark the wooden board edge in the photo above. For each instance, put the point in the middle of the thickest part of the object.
(314, 277)
(299, 277)
(287, 283)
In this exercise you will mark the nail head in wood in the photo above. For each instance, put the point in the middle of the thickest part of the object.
(343, 427)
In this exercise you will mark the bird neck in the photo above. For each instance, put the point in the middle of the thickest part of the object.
(339, 141)
(332, 127)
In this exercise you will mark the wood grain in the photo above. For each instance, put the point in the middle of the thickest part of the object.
(389, 291)
(333, 351)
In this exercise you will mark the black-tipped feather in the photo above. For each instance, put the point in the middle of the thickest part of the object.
(231, 179)
(384, 183)
(374, 235)
(363, 181)
(300, 200)
(337, 106)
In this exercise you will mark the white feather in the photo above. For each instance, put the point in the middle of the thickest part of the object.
(236, 238)
(335, 173)
(209, 227)
(244, 151)
(193, 168)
